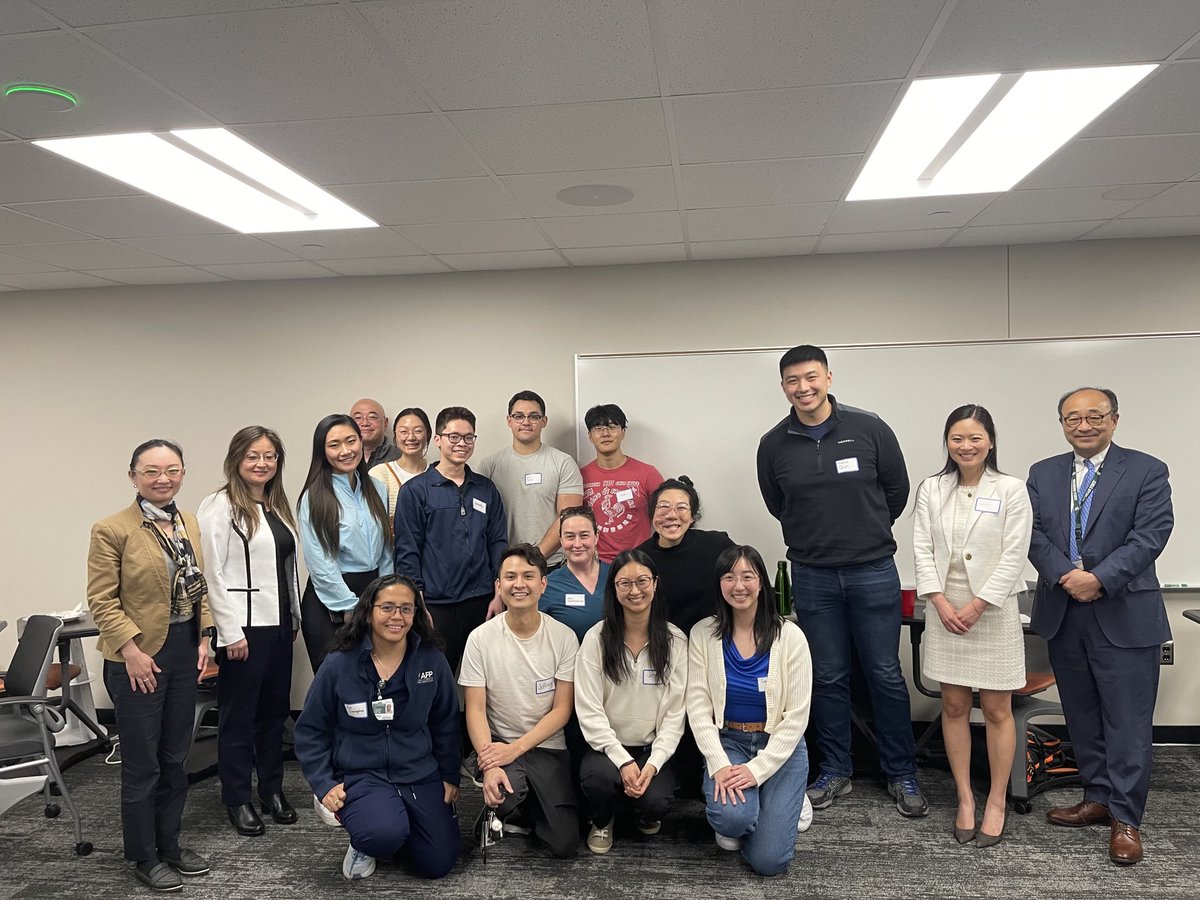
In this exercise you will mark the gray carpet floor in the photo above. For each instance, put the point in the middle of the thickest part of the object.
(860, 848)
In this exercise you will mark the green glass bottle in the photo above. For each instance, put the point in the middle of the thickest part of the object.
(783, 588)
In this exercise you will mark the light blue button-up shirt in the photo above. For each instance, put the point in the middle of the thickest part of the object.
(362, 546)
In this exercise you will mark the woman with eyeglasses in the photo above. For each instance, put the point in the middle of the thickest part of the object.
(345, 531)
(412, 433)
(748, 697)
(147, 593)
(574, 592)
(378, 738)
(249, 539)
(630, 677)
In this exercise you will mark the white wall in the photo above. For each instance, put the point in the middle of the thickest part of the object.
(89, 374)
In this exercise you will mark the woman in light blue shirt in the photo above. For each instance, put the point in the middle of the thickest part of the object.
(345, 532)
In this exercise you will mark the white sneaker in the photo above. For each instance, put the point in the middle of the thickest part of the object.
(357, 865)
(600, 840)
(727, 843)
(325, 815)
(806, 816)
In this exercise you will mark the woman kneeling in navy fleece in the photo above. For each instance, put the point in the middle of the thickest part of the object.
(378, 739)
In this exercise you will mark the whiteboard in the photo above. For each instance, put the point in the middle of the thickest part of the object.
(702, 413)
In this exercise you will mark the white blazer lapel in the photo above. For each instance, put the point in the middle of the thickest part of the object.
(989, 486)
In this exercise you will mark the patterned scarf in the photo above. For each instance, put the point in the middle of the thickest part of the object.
(189, 586)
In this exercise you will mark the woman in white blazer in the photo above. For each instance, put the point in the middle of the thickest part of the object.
(249, 539)
(971, 537)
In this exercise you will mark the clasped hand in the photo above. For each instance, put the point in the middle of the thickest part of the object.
(730, 784)
(636, 780)
(1082, 586)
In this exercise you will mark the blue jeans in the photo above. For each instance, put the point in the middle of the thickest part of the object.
(860, 604)
(766, 822)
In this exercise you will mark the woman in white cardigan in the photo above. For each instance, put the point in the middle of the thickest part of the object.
(249, 539)
(748, 696)
(970, 540)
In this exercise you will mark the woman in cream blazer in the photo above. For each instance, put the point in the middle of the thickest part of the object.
(970, 540)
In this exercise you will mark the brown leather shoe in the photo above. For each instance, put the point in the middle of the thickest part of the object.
(1085, 812)
(1125, 844)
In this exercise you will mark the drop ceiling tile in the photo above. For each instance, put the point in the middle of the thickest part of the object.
(529, 259)
(813, 121)
(476, 237)
(478, 54)
(123, 217)
(157, 275)
(612, 135)
(421, 202)
(1005, 235)
(352, 151)
(92, 254)
(1005, 35)
(16, 265)
(616, 256)
(265, 66)
(21, 227)
(1053, 205)
(653, 190)
(111, 97)
(384, 265)
(1165, 103)
(211, 249)
(917, 213)
(869, 243)
(49, 281)
(1180, 200)
(617, 229)
(346, 243)
(750, 222)
(796, 246)
(29, 173)
(271, 271)
(1177, 226)
(731, 45)
(16, 19)
(766, 181)
(1120, 160)
(89, 12)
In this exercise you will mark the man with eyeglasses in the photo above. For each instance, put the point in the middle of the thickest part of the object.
(373, 424)
(449, 533)
(536, 480)
(615, 486)
(1101, 517)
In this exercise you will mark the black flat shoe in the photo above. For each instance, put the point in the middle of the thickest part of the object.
(246, 820)
(158, 876)
(281, 811)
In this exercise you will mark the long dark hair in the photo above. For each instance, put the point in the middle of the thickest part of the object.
(612, 636)
(984, 418)
(358, 624)
(245, 510)
(767, 621)
(324, 511)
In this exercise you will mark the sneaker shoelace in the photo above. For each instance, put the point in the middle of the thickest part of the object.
(909, 786)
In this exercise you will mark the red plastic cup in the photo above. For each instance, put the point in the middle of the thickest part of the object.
(908, 601)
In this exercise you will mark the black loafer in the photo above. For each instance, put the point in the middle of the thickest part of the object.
(189, 863)
(281, 811)
(158, 877)
(246, 820)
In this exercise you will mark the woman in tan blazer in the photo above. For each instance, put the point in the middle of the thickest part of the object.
(971, 537)
(147, 593)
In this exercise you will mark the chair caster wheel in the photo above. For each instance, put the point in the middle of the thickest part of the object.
(53, 810)
(1024, 807)
(83, 848)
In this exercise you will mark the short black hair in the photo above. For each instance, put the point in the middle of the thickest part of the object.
(528, 397)
(1111, 395)
(527, 552)
(450, 413)
(605, 414)
(803, 353)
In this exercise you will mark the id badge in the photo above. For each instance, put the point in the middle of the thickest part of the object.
(384, 710)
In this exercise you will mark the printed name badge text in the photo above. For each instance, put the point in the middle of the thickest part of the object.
(762, 684)
(544, 686)
(625, 496)
(850, 464)
(576, 600)
(479, 505)
(356, 710)
(987, 505)
(649, 676)
(533, 477)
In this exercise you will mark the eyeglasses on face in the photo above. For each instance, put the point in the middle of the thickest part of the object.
(680, 508)
(366, 417)
(605, 429)
(261, 457)
(390, 609)
(625, 585)
(1094, 419)
(521, 417)
(746, 578)
(171, 472)
(455, 438)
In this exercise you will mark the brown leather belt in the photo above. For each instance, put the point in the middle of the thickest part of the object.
(747, 727)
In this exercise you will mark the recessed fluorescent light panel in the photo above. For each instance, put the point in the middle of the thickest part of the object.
(216, 174)
(983, 133)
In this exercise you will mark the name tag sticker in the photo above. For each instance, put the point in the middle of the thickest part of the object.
(544, 686)
(649, 676)
(987, 505)
(847, 465)
(533, 477)
(762, 685)
(384, 710)
(356, 710)
(576, 600)
(625, 496)
(479, 505)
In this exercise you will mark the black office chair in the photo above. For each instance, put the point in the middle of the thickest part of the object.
(28, 722)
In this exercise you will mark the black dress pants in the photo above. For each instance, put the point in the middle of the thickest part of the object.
(319, 623)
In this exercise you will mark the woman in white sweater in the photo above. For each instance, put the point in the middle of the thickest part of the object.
(630, 677)
(748, 695)
(249, 540)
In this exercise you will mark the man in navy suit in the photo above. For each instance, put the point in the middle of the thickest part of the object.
(1101, 517)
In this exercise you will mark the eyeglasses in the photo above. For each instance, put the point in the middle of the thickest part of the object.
(605, 429)
(260, 457)
(1094, 419)
(625, 585)
(390, 609)
(418, 433)
(454, 438)
(534, 418)
(173, 472)
(366, 417)
(680, 508)
(746, 578)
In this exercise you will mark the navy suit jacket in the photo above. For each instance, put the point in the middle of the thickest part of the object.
(1128, 526)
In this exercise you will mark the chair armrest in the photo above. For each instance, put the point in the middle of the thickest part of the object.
(44, 713)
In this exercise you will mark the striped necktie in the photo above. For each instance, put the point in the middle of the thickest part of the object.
(1084, 502)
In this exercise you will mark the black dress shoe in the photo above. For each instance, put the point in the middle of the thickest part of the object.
(246, 820)
(281, 811)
